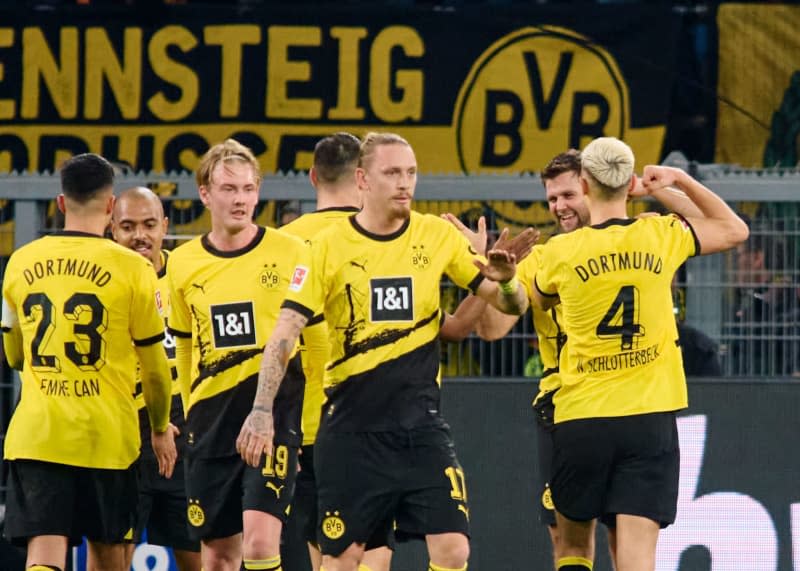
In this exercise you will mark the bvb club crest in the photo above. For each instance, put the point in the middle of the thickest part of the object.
(333, 526)
(195, 513)
(419, 257)
(269, 277)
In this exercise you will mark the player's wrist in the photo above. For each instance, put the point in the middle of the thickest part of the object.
(509, 287)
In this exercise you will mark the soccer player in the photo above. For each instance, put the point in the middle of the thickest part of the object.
(78, 311)
(565, 200)
(615, 438)
(226, 288)
(383, 455)
(333, 177)
(138, 223)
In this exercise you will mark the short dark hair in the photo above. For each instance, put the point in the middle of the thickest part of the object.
(83, 176)
(569, 161)
(335, 156)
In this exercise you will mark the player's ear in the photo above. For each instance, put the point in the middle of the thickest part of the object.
(361, 179)
(60, 203)
(312, 176)
(203, 192)
(110, 204)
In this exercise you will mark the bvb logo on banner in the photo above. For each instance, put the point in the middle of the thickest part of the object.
(533, 91)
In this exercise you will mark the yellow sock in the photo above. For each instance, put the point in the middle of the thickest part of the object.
(574, 564)
(432, 567)
(269, 564)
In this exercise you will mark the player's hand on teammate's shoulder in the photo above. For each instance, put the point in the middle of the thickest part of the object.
(256, 436)
(165, 450)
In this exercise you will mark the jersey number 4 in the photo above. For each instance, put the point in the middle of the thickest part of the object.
(621, 319)
(87, 335)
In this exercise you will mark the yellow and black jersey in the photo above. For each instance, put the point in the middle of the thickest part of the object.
(227, 302)
(81, 302)
(380, 298)
(176, 415)
(314, 348)
(547, 324)
(614, 282)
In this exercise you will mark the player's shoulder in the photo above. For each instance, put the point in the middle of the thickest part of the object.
(186, 250)
(310, 224)
(278, 237)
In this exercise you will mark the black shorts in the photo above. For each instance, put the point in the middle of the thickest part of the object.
(162, 507)
(543, 409)
(55, 499)
(304, 505)
(220, 489)
(624, 465)
(369, 483)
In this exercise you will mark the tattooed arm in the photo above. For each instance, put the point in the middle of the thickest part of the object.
(258, 428)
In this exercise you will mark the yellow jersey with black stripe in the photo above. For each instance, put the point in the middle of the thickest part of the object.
(548, 325)
(380, 298)
(227, 302)
(314, 348)
(176, 415)
(81, 302)
(614, 281)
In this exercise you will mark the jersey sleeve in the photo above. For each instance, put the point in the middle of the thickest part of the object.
(147, 325)
(545, 279)
(179, 319)
(679, 239)
(526, 270)
(305, 293)
(461, 268)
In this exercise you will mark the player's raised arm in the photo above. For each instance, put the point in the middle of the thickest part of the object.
(507, 294)
(720, 228)
(258, 429)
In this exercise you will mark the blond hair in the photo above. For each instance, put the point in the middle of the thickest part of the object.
(228, 151)
(373, 140)
(609, 161)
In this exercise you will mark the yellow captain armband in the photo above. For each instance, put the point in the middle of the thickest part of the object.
(510, 287)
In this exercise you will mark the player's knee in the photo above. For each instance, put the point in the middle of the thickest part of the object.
(450, 552)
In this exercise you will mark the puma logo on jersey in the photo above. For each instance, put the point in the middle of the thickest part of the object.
(362, 266)
(201, 287)
(276, 489)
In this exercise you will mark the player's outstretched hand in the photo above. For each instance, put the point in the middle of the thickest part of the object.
(256, 436)
(164, 448)
(502, 264)
(520, 245)
(476, 239)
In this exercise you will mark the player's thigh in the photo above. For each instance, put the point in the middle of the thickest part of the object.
(270, 487)
(304, 503)
(357, 491)
(168, 524)
(542, 475)
(645, 479)
(434, 499)
(214, 497)
(41, 500)
(583, 457)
